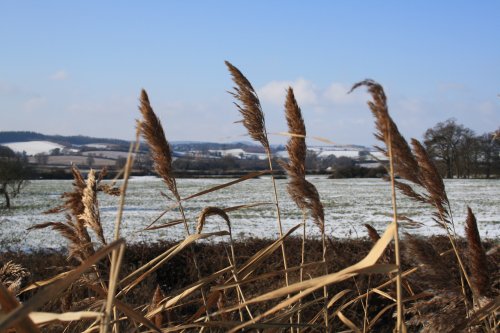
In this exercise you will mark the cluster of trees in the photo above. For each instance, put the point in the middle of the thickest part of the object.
(460, 153)
(14, 172)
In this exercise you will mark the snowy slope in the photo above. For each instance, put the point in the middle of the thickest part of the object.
(33, 147)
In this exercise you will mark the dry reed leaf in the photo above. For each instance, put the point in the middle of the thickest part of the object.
(47, 317)
(212, 300)
(210, 211)
(282, 319)
(51, 291)
(127, 310)
(366, 266)
(374, 320)
(165, 225)
(252, 263)
(317, 138)
(160, 260)
(347, 322)
(114, 271)
(227, 210)
(383, 294)
(9, 303)
(173, 301)
(337, 296)
(268, 275)
(42, 283)
(219, 187)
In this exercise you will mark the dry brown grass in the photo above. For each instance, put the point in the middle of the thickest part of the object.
(191, 285)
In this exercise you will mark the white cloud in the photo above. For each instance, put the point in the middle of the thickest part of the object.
(60, 75)
(338, 93)
(308, 94)
(34, 103)
(275, 92)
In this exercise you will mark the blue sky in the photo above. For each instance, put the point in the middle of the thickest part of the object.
(77, 67)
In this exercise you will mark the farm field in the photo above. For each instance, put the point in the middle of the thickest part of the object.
(349, 203)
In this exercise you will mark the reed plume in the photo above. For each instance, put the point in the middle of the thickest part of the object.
(12, 276)
(91, 210)
(296, 146)
(158, 296)
(433, 267)
(250, 108)
(401, 162)
(372, 233)
(78, 247)
(74, 229)
(253, 120)
(405, 164)
(303, 193)
(432, 181)
(161, 153)
(478, 262)
(209, 211)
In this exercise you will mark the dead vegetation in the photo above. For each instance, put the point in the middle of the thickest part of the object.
(392, 284)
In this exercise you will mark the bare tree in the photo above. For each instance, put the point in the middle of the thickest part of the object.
(442, 142)
(41, 158)
(461, 152)
(90, 160)
(13, 175)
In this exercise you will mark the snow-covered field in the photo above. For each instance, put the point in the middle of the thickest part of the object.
(349, 203)
(33, 147)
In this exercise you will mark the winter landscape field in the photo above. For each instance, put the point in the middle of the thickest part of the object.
(349, 203)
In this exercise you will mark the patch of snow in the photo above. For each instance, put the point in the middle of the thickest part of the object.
(339, 153)
(33, 147)
(96, 145)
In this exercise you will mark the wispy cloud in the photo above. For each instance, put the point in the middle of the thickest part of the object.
(60, 75)
(309, 94)
(275, 91)
(9, 89)
(34, 103)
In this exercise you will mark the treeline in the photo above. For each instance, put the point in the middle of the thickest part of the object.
(461, 153)
(24, 136)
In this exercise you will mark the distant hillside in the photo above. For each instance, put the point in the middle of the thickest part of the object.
(24, 136)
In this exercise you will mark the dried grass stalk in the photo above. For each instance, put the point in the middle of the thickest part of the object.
(161, 153)
(477, 257)
(250, 108)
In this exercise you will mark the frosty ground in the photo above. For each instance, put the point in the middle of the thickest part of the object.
(349, 203)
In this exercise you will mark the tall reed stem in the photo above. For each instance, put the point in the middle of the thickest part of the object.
(278, 214)
(399, 290)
